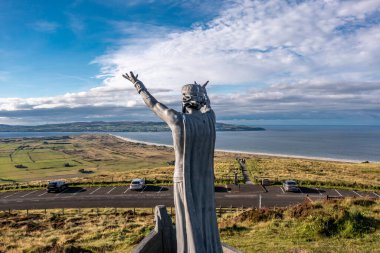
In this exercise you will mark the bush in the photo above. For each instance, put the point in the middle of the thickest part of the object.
(20, 166)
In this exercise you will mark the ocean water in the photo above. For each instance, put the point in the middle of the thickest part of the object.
(357, 143)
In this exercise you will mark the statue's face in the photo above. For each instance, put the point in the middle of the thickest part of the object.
(193, 96)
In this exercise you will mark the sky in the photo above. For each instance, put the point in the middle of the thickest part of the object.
(272, 62)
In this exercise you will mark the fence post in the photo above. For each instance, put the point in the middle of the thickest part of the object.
(27, 212)
(63, 211)
(97, 211)
(220, 211)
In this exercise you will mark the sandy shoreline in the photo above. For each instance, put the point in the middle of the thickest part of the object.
(246, 152)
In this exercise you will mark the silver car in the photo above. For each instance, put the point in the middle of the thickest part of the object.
(137, 184)
(290, 186)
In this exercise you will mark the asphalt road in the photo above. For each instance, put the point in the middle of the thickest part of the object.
(254, 196)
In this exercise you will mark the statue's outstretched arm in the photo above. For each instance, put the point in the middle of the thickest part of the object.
(168, 115)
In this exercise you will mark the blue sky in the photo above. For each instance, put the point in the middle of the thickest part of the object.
(268, 62)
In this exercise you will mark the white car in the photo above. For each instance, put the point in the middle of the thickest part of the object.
(290, 186)
(137, 184)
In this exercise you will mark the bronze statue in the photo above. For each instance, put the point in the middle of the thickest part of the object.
(193, 132)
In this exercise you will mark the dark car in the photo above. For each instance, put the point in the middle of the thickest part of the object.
(56, 186)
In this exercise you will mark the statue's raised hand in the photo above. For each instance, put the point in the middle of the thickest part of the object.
(132, 78)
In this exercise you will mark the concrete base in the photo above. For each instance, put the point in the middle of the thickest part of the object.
(163, 239)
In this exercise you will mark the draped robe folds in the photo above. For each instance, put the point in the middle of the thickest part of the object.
(194, 197)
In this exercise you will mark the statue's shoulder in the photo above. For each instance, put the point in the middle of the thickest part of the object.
(177, 119)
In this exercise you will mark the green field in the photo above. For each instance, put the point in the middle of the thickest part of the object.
(109, 159)
(102, 155)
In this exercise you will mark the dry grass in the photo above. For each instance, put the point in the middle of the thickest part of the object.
(361, 175)
(87, 231)
(114, 160)
(350, 225)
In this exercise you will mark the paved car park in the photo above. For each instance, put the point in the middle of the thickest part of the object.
(255, 196)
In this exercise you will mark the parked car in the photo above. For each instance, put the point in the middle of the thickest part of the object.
(137, 184)
(290, 186)
(57, 186)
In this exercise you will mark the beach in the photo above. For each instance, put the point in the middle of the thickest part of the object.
(244, 152)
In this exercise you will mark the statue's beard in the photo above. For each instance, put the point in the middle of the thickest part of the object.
(193, 102)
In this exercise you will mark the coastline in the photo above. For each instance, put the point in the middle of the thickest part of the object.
(247, 152)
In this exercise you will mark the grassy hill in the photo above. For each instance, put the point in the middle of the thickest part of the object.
(110, 159)
(121, 126)
(350, 225)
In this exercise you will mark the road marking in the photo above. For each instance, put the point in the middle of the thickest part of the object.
(10, 195)
(376, 194)
(42, 194)
(309, 198)
(357, 193)
(338, 193)
(318, 191)
(111, 190)
(95, 190)
(143, 189)
(282, 189)
(260, 201)
(126, 190)
(160, 189)
(28, 194)
(238, 196)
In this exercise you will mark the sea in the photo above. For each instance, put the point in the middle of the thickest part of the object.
(348, 143)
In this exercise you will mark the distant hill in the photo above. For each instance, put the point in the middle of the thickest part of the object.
(121, 126)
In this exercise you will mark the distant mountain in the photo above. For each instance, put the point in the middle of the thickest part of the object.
(121, 126)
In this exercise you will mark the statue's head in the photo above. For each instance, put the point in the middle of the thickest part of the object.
(193, 96)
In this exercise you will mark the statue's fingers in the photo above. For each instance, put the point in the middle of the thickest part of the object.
(132, 75)
(205, 84)
(126, 76)
(137, 76)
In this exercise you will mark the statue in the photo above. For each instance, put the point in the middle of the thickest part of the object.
(193, 132)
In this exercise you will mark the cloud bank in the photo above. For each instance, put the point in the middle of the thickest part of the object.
(307, 60)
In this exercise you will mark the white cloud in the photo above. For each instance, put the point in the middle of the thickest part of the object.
(45, 26)
(316, 55)
(257, 41)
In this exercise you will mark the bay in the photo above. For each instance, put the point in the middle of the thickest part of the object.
(354, 143)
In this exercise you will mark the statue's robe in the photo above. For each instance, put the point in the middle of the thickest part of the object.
(194, 196)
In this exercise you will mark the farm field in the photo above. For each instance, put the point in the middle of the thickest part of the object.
(105, 158)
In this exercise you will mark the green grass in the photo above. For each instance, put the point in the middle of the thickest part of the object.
(111, 159)
(350, 225)
(103, 155)
(337, 226)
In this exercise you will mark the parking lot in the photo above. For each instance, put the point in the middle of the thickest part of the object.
(254, 196)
